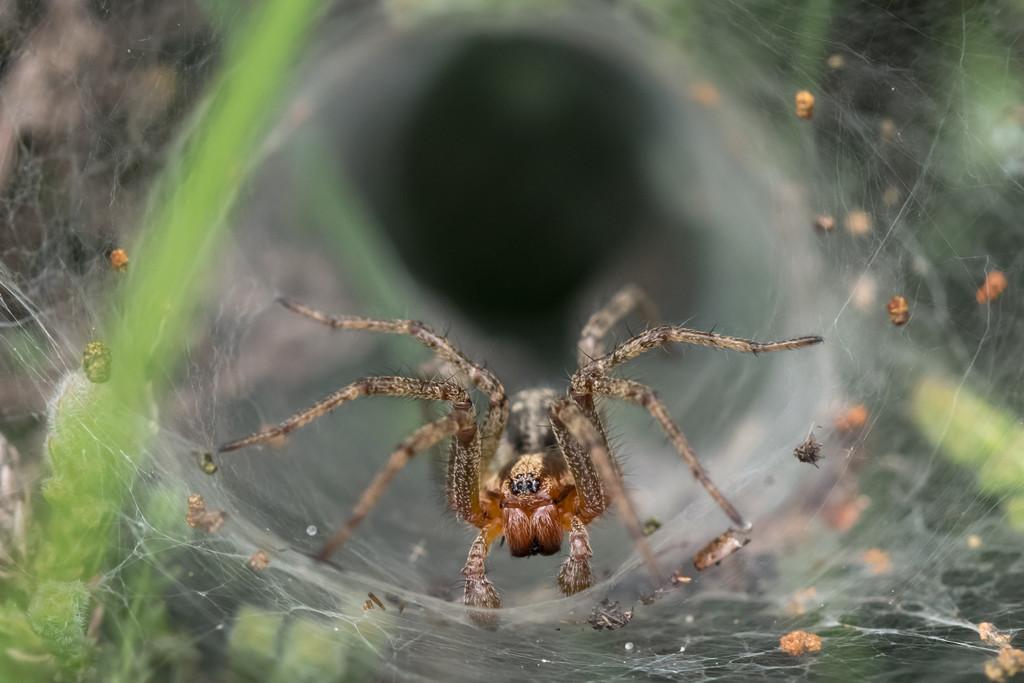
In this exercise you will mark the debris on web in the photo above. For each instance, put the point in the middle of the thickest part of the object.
(608, 616)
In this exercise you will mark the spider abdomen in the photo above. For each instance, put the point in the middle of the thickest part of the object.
(528, 429)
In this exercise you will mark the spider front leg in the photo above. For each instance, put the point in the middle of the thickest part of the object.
(591, 463)
(483, 379)
(593, 379)
(460, 423)
(659, 337)
(628, 299)
(464, 461)
(642, 395)
(479, 591)
(575, 574)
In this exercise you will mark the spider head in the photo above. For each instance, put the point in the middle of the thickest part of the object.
(529, 513)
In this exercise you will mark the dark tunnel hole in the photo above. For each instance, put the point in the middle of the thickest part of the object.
(519, 172)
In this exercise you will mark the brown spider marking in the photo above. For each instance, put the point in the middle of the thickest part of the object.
(537, 467)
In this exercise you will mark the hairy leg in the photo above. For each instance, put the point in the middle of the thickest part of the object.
(575, 574)
(406, 387)
(478, 590)
(631, 297)
(657, 337)
(463, 485)
(459, 423)
(482, 378)
(644, 396)
(579, 426)
(592, 499)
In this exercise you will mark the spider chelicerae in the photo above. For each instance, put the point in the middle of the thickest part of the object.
(537, 466)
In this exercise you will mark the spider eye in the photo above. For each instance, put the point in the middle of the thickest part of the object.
(525, 484)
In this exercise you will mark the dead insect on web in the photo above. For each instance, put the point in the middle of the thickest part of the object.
(717, 550)
(608, 617)
(207, 463)
(809, 451)
(899, 310)
(804, 102)
(371, 601)
(96, 362)
(259, 561)
(118, 259)
(199, 517)
(992, 288)
(796, 643)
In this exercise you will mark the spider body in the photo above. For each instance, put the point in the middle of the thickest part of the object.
(538, 467)
(530, 489)
(535, 505)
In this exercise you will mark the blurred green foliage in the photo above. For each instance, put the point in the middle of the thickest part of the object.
(94, 443)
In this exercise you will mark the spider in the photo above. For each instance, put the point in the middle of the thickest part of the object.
(537, 466)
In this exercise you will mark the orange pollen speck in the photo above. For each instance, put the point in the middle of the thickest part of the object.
(804, 104)
(798, 643)
(705, 93)
(857, 223)
(994, 285)
(118, 259)
(899, 310)
(877, 561)
(853, 419)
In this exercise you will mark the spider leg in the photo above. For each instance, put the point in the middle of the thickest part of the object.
(569, 415)
(591, 498)
(478, 590)
(657, 337)
(644, 396)
(459, 422)
(437, 370)
(631, 297)
(462, 484)
(575, 574)
(482, 378)
(368, 386)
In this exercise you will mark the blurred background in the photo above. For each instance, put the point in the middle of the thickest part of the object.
(499, 170)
